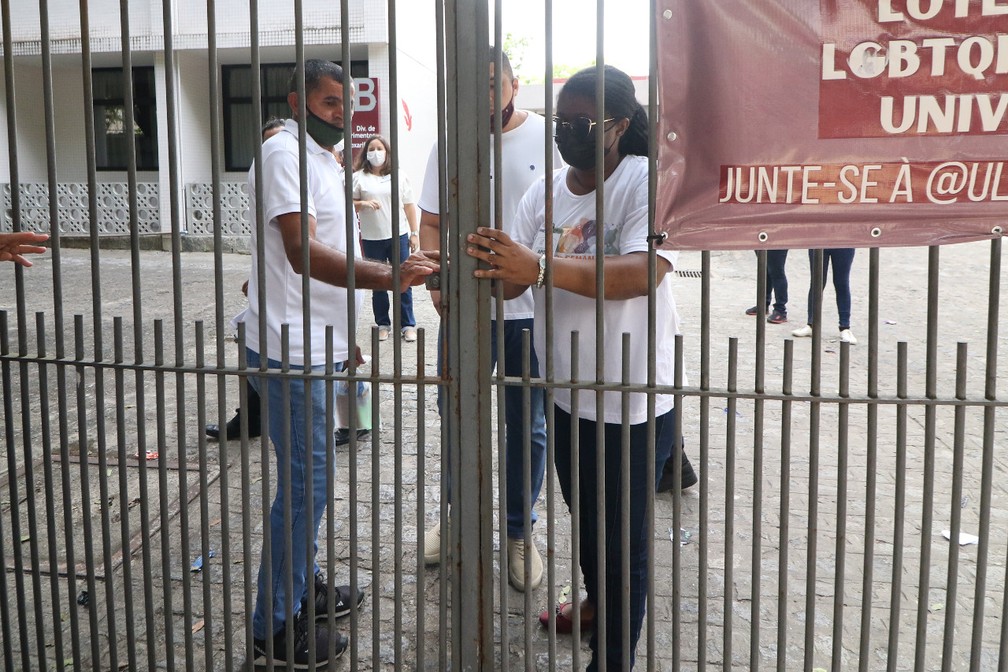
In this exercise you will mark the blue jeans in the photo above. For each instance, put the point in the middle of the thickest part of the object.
(776, 279)
(381, 250)
(514, 425)
(842, 260)
(301, 529)
(617, 604)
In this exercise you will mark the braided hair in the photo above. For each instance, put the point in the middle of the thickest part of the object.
(620, 102)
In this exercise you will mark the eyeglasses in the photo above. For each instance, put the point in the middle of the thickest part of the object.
(578, 127)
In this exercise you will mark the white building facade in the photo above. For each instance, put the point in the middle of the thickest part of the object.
(189, 64)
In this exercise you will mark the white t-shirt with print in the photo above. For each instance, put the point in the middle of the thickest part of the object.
(523, 161)
(626, 231)
(284, 298)
(377, 224)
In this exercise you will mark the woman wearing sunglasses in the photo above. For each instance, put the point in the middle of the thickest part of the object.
(570, 253)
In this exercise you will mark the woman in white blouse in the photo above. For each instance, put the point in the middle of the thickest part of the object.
(372, 194)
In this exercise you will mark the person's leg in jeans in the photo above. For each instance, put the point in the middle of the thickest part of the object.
(514, 420)
(406, 298)
(300, 528)
(379, 250)
(842, 260)
(811, 290)
(777, 280)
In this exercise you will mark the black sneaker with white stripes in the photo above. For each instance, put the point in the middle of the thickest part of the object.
(302, 633)
(343, 599)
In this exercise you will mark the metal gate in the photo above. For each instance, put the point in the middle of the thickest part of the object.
(835, 478)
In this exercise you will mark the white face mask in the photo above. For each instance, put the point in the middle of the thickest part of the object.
(376, 157)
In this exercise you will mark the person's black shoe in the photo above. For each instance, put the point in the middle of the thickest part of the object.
(342, 600)
(343, 436)
(233, 428)
(302, 633)
(667, 481)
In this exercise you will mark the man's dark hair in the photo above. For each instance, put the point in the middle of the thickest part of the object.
(620, 102)
(505, 62)
(315, 70)
(271, 123)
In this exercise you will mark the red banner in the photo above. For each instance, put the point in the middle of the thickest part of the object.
(838, 123)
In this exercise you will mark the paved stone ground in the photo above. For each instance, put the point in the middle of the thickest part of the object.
(168, 516)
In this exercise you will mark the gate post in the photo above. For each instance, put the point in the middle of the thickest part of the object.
(468, 342)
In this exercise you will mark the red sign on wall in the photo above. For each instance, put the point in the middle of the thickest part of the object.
(366, 113)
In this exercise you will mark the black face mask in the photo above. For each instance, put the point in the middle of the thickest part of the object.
(577, 152)
(322, 131)
(506, 114)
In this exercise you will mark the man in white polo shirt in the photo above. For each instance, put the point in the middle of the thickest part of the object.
(292, 404)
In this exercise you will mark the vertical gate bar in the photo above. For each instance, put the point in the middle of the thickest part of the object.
(376, 535)
(986, 475)
(124, 518)
(868, 566)
(284, 476)
(677, 446)
(167, 16)
(816, 285)
(246, 494)
(729, 540)
(445, 21)
(840, 552)
(705, 347)
(265, 453)
(899, 504)
(602, 608)
(955, 523)
(421, 480)
(526, 499)
(575, 503)
(330, 537)
(469, 398)
(204, 494)
(85, 482)
(930, 424)
(222, 445)
(397, 363)
(103, 489)
(546, 364)
(498, 355)
(759, 385)
(28, 459)
(50, 486)
(50, 171)
(652, 109)
(8, 406)
(624, 505)
(160, 404)
(785, 508)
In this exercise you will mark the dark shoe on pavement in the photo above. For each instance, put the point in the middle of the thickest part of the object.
(233, 428)
(752, 311)
(342, 600)
(343, 436)
(777, 317)
(688, 479)
(302, 633)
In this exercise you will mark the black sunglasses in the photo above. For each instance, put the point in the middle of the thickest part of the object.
(580, 128)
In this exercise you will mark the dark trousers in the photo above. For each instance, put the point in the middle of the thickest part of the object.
(776, 279)
(618, 605)
(841, 259)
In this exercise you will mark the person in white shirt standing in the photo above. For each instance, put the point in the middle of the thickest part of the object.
(523, 139)
(372, 197)
(569, 243)
(279, 303)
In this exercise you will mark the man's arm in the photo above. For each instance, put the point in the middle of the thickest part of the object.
(430, 239)
(330, 265)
